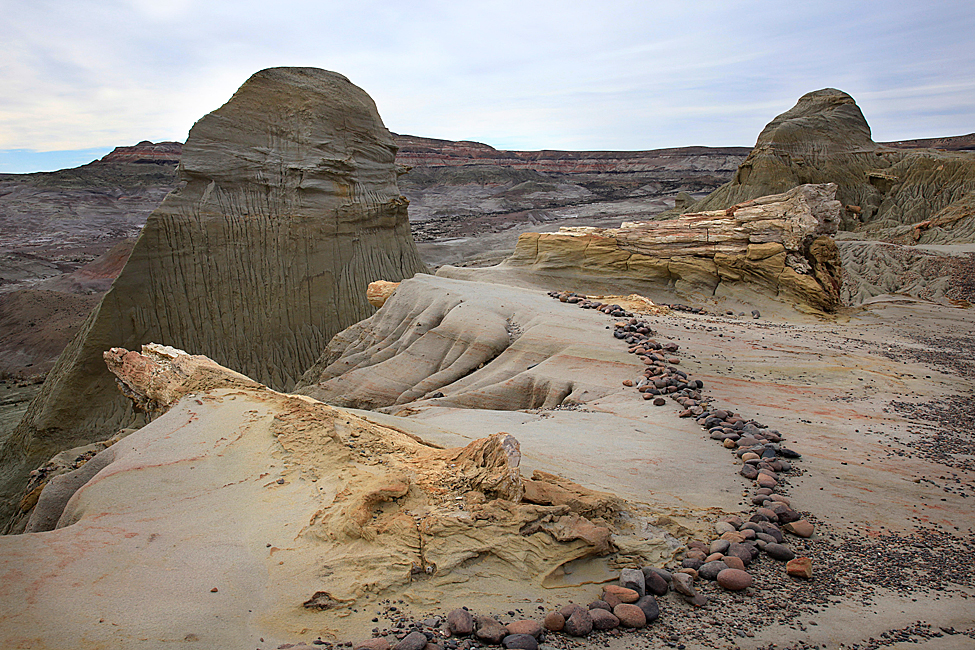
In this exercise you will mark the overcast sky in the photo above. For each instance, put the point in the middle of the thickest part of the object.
(78, 78)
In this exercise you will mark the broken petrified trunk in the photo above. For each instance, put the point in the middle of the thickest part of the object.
(779, 244)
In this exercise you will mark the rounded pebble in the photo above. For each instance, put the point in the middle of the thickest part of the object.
(630, 615)
(604, 620)
(734, 579)
(520, 642)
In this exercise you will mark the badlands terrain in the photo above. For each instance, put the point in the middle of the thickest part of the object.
(688, 398)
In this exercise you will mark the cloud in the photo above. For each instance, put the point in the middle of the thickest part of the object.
(531, 74)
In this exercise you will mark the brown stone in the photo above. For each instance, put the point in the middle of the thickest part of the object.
(684, 584)
(580, 623)
(733, 562)
(379, 643)
(630, 615)
(554, 622)
(527, 626)
(766, 480)
(489, 629)
(604, 620)
(622, 593)
(801, 528)
(611, 599)
(734, 579)
(460, 622)
(800, 567)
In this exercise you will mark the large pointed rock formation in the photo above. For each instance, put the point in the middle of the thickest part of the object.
(289, 208)
(824, 138)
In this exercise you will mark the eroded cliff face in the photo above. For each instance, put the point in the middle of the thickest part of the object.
(290, 208)
(824, 138)
(780, 245)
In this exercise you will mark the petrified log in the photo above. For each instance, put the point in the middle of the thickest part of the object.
(779, 244)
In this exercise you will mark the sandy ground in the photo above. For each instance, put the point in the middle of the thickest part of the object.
(876, 401)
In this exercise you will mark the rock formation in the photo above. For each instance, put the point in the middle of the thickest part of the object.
(449, 343)
(778, 244)
(254, 513)
(824, 138)
(290, 208)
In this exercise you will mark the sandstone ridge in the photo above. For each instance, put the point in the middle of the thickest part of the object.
(779, 244)
(290, 208)
(303, 515)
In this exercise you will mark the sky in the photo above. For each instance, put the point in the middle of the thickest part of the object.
(78, 78)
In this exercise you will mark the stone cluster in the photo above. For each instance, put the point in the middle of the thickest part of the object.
(764, 460)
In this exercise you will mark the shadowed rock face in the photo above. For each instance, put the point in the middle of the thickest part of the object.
(824, 138)
(290, 208)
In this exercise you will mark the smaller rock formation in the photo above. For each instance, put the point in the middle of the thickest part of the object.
(461, 344)
(779, 244)
(824, 138)
(378, 292)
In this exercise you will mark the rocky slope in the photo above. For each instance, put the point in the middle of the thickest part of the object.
(290, 208)
(467, 189)
(52, 223)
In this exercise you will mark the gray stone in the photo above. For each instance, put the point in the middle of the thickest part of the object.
(413, 641)
(633, 579)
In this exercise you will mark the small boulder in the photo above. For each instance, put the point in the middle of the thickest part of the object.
(379, 643)
(635, 580)
(732, 562)
(413, 641)
(656, 584)
(603, 620)
(650, 608)
(710, 570)
(489, 630)
(460, 622)
(779, 552)
(527, 626)
(554, 622)
(734, 579)
(625, 595)
(579, 624)
(520, 642)
(800, 567)
(800, 528)
(630, 615)
(684, 584)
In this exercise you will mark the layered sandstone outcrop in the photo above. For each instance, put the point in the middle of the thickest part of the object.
(241, 513)
(461, 344)
(780, 245)
(290, 208)
(824, 138)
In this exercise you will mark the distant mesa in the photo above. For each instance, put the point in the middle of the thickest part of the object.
(160, 153)
(290, 208)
